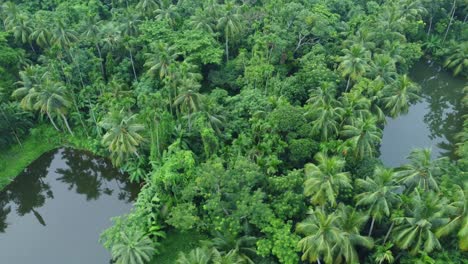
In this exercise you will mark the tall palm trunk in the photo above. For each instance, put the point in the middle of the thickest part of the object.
(347, 83)
(78, 66)
(66, 123)
(78, 112)
(133, 64)
(388, 232)
(227, 47)
(371, 226)
(52, 121)
(451, 19)
(101, 61)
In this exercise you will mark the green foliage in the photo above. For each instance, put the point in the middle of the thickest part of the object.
(218, 107)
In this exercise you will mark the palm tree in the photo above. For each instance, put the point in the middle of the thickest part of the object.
(333, 237)
(326, 120)
(458, 210)
(355, 106)
(379, 194)
(241, 248)
(196, 256)
(458, 60)
(49, 98)
(325, 94)
(384, 254)
(321, 236)
(399, 94)
(416, 230)
(364, 135)
(129, 29)
(147, 7)
(201, 21)
(189, 100)
(167, 11)
(420, 171)
(350, 222)
(324, 180)
(229, 23)
(41, 34)
(159, 61)
(92, 32)
(62, 36)
(133, 248)
(382, 68)
(22, 29)
(122, 136)
(354, 63)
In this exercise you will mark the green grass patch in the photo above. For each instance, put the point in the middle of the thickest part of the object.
(15, 159)
(176, 242)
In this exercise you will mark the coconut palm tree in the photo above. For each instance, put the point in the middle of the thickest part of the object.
(62, 36)
(379, 194)
(416, 231)
(159, 61)
(354, 63)
(196, 256)
(41, 34)
(241, 249)
(458, 60)
(123, 135)
(147, 7)
(321, 237)
(324, 179)
(420, 171)
(382, 68)
(201, 21)
(133, 248)
(364, 135)
(229, 23)
(398, 95)
(459, 217)
(167, 11)
(49, 97)
(355, 106)
(350, 222)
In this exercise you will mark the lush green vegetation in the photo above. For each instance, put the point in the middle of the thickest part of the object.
(254, 123)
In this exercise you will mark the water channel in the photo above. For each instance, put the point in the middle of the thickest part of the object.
(432, 122)
(55, 210)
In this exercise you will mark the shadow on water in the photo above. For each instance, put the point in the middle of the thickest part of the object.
(65, 196)
(433, 122)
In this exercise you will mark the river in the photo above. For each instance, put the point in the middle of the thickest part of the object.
(55, 210)
(432, 122)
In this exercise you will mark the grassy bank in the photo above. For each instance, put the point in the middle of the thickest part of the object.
(15, 159)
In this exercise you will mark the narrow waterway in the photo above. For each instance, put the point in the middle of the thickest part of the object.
(432, 122)
(55, 210)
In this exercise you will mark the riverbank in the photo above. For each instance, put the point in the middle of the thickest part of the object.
(14, 160)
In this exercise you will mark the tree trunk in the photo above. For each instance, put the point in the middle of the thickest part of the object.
(318, 261)
(79, 113)
(101, 61)
(371, 226)
(78, 66)
(347, 83)
(98, 129)
(388, 233)
(66, 123)
(133, 65)
(52, 121)
(451, 19)
(430, 27)
(227, 48)
(17, 138)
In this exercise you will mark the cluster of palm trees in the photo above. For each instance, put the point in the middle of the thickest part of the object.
(415, 225)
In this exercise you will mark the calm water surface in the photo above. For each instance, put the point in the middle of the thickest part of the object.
(430, 123)
(55, 210)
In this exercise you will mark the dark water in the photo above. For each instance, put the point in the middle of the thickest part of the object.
(55, 210)
(432, 122)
